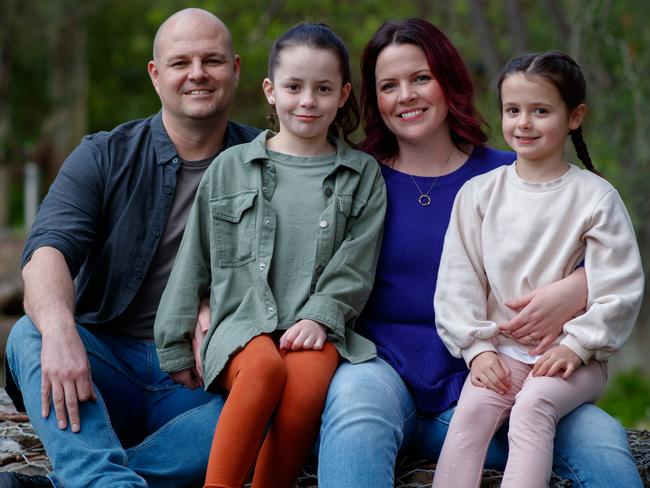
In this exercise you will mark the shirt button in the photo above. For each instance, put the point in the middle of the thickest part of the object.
(328, 191)
(270, 309)
(323, 224)
(138, 276)
(257, 330)
(264, 189)
(267, 221)
(262, 266)
(168, 190)
(175, 160)
(156, 233)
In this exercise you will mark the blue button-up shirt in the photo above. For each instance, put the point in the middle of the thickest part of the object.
(107, 210)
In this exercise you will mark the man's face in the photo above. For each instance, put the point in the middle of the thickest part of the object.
(194, 70)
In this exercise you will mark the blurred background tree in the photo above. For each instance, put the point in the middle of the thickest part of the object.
(69, 67)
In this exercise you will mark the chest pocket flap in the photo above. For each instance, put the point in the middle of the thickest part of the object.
(234, 228)
(232, 207)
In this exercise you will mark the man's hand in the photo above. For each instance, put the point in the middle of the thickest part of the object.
(188, 377)
(489, 370)
(202, 326)
(543, 312)
(304, 334)
(556, 360)
(66, 378)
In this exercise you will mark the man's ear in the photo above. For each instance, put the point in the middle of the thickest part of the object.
(237, 68)
(153, 74)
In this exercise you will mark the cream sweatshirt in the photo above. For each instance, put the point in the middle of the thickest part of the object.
(508, 236)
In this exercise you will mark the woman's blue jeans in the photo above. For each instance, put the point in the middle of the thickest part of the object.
(143, 430)
(370, 419)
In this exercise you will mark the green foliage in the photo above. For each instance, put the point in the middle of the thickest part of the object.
(610, 40)
(628, 399)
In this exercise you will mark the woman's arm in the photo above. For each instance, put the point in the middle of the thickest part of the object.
(543, 312)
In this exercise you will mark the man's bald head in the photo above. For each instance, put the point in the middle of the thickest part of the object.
(192, 16)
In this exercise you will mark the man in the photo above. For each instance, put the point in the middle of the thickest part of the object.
(113, 219)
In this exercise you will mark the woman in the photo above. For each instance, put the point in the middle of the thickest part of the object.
(421, 124)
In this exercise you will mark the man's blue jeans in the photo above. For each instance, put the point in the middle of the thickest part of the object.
(143, 430)
(370, 419)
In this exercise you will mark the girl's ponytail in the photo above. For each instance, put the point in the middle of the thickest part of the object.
(581, 149)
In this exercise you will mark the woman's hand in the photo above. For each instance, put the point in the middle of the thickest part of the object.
(556, 360)
(304, 334)
(489, 370)
(543, 312)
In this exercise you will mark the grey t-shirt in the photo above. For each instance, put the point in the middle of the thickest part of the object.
(137, 320)
(298, 201)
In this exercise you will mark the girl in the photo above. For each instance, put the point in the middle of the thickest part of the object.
(515, 229)
(284, 235)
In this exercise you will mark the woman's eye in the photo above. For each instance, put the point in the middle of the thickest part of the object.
(384, 87)
(422, 78)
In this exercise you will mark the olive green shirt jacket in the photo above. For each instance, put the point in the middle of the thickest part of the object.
(227, 248)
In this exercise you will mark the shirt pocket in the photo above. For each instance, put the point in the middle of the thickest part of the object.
(234, 218)
(348, 208)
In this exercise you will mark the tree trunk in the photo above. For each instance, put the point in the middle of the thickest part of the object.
(517, 27)
(68, 86)
(491, 56)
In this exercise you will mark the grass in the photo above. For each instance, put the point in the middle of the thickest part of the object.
(628, 399)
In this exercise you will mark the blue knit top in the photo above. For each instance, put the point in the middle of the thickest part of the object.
(399, 317)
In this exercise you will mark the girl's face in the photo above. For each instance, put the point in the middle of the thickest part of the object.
(410, 99)
(535, 120)
(307, 90)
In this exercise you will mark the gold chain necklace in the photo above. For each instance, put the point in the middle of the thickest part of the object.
(424, 199)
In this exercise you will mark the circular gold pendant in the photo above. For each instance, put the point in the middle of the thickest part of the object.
(424, 200)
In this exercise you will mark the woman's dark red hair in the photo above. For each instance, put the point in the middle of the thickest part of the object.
(465, 123)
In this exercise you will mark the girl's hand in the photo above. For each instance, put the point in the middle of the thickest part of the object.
(543, 312)
(304, 334)
(489, 370)
(559, 358)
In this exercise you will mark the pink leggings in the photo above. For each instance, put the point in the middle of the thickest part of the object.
(535, 405)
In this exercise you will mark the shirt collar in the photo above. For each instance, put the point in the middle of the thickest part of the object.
(345, 156)
(165, 149)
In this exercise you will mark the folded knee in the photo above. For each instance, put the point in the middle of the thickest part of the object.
(22, 336)
(269, 371)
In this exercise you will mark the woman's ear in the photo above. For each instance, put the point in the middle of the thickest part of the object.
(345, 94)
(577, 116)
(267, 87)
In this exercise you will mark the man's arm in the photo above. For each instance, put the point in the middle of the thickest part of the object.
(49, 302)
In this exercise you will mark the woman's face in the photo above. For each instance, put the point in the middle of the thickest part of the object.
(410, 99)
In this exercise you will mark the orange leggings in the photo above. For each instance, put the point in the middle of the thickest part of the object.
(264, 381)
